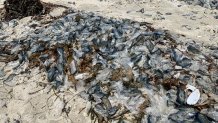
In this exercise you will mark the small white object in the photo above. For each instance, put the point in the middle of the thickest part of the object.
(131, 64)
(73, 67)
(178, 67)
(81, 76)
(176, 75)
(194, 96)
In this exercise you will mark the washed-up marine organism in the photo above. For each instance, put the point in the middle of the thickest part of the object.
(117, 64)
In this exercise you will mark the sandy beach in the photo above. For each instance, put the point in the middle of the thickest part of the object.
(30, 101)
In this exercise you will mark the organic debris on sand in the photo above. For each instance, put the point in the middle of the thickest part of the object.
(126, 70)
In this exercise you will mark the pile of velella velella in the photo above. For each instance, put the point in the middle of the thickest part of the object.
(128, 71)
(211, 4)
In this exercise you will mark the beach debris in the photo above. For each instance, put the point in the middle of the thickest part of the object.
(22, 8)
(125, 70)
(141, 10)
(183, 115)
(211, 113)
(210, 4)
(194, 96)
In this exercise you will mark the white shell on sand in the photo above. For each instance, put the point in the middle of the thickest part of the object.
(194, 96)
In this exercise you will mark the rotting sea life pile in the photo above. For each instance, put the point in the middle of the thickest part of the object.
(211, 4)
(128, 71)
